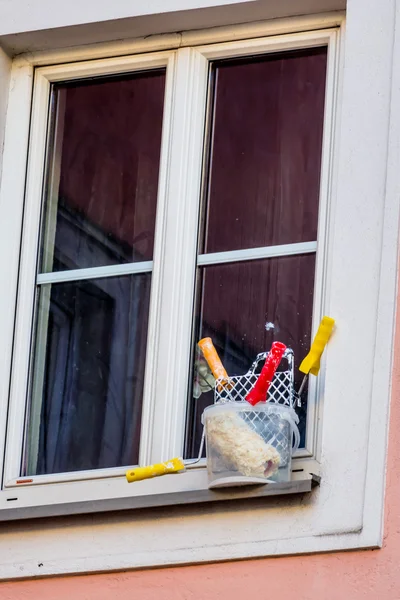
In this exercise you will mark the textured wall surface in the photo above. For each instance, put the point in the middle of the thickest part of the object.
(24, 15)
(27, 25)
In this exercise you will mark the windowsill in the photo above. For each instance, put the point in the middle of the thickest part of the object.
(190, 487)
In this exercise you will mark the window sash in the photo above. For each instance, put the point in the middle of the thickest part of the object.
(166, 381)
(33, 206)
(253, 47)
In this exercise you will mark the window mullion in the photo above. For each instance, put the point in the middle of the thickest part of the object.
(175, 261)
(95, 272)
(230, 256)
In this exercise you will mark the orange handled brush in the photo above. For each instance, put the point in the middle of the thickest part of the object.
(214, 361)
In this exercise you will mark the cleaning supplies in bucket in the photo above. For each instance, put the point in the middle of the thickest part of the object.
(251, 430)
(248, 444)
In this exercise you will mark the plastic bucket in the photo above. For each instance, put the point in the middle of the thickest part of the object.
(249, 444)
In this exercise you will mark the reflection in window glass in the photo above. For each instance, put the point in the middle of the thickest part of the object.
(265, 151)
(103, 174)
(237, 306)
(88, 375)
(89, 348)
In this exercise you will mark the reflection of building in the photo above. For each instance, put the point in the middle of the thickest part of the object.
(92, 328)
(77, 236)
(92, 360)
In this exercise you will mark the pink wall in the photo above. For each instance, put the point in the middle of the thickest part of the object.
(368, 575)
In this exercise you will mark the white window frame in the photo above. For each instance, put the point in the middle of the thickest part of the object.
(346, 511)
(166, 380)
(28, 279)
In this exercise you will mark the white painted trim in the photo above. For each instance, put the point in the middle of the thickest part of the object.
(82, 478)
(101, 474)
(268, 44)
(53, 168)
(157, 43)
(11, 204)
(34, 409)
(156, 299)
(230, 256)
(388, 302)
(325, 248)
(105, 66)
(188, 553)
(95, 272)
(26, 283)
(169, 378)
(17, 411)
(51, 479)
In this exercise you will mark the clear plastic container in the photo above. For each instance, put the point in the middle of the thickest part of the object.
(249, 444)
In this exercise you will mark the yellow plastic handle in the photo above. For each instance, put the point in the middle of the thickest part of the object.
(312, 362)
(170, 466)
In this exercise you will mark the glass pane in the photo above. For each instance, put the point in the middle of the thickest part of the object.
(88, 375)
(264, 151)
(104, 154)
(244, 307)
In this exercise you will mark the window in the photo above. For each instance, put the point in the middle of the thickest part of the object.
(258, 234)
(100, 197)
(67, 297)
(91, 321)
(89, 406)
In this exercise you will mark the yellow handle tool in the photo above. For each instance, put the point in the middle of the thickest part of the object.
(170, 466)
(312, 362)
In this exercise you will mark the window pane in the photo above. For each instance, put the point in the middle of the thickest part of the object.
(264, 151)
(236, 305)
(88, 375)
(102, 178)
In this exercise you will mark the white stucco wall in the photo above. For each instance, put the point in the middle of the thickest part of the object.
(26, 15)
(26, 25)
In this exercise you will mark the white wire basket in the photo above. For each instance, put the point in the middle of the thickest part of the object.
(281, 390)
